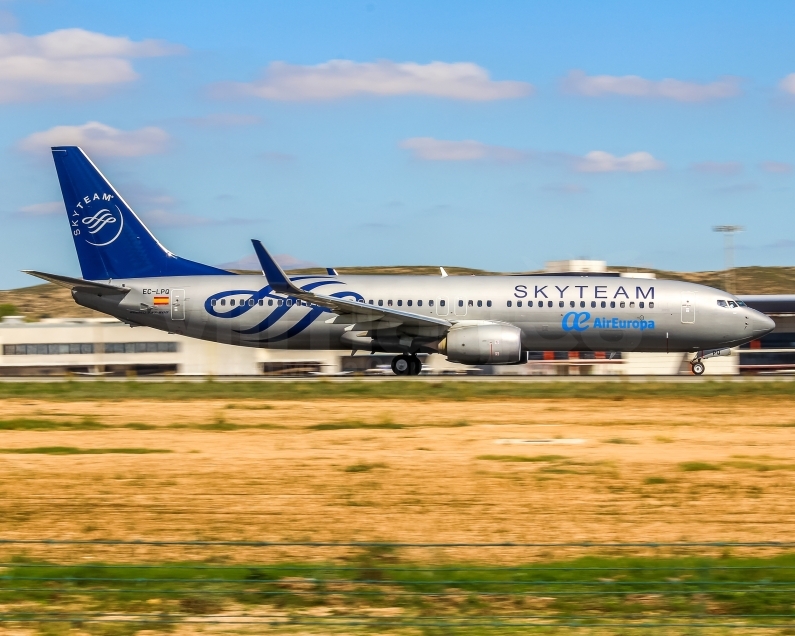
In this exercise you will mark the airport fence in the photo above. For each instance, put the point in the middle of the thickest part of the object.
(379, 586)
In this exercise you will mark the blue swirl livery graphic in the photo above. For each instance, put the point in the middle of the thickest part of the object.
(278, 312)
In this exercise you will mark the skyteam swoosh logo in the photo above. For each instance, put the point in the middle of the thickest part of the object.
(104, 226)
(278, 312)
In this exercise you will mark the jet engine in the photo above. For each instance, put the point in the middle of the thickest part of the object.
(483, 343)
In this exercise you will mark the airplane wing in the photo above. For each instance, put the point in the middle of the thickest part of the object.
(78, 283)
(350, 311)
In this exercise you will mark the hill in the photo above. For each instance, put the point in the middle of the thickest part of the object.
(51, 301)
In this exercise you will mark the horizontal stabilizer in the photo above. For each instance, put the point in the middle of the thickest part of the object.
(78, 284)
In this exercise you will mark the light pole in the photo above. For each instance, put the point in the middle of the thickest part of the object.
(728, 232)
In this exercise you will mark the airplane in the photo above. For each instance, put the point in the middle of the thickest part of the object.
(129, 274)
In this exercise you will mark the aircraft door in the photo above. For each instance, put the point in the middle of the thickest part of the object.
(177, 304)
(688, 308)
(460, 308)
(442, 308)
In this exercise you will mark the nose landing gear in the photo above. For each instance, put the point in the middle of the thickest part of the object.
(696, 363)
(406, 365)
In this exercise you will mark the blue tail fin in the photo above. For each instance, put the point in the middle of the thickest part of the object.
(111, 241)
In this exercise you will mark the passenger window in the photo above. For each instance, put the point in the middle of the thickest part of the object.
(571, 303)
(212, 302)
(623, 304)
(223, 301)
(582, 303)
(509, 303)
(603, 304)
(460, 303)
(518, 303)
(612, 304)
(261, 302)
(631, 305)
(640, 304)
(430, 303)
(549, 303)
(408, 302)
(480, 303)
(488, 303)
(651, 305)
(270, 302)
(232, 302)
(471, 303)
(400, 303)
(442, 303)
(370, 301)
(529, 303)
(280, 302)
(593, 304)
(380, 303)
(419, 303)
(250, 302)
(289, 302)
(561, 303)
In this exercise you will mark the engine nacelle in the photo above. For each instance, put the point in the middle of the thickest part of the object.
(485, 343)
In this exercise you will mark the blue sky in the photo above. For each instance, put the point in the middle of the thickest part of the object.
(496, 135)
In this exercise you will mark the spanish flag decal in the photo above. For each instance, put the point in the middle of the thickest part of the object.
(161, 300)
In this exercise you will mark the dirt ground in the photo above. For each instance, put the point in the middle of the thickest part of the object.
(593, 470)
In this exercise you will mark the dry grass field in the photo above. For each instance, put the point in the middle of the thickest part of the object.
(537, 470)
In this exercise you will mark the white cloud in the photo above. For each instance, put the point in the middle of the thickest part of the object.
(578, 83)
(776, 167)
(100, 140)
(69, 62)
(42, 209)
(430, 149)
(723, 168)
(337, 79)
(788, 84)
(599, 161)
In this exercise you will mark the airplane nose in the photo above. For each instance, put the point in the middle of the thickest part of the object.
(761, 324)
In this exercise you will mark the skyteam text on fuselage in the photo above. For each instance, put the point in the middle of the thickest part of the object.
(129, 274)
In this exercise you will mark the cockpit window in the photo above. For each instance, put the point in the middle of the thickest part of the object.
(722, 303)
(741, 303)
(732, 304)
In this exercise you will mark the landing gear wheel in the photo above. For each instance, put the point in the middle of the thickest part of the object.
(416, 365)
(698, 368)
(401, 365)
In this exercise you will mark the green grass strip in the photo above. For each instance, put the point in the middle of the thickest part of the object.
(391, 389)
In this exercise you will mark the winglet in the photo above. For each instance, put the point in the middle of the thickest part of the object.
(444, 273)
(331, 271)
(275, 275)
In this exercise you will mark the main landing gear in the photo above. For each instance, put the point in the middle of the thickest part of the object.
(406, 365)
(697, 367)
